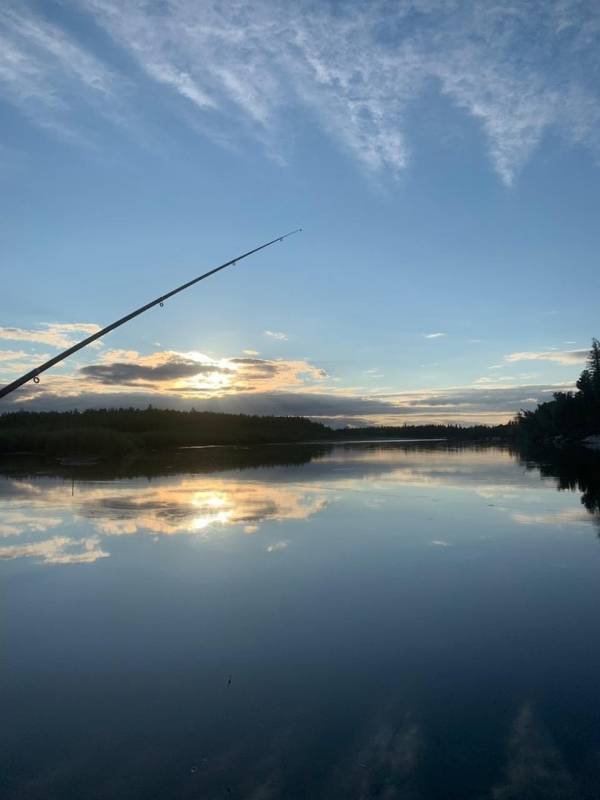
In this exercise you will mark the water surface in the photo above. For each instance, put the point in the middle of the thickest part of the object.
(358, 621)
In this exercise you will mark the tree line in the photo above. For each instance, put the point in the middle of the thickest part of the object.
(569, 416)
(126, 430)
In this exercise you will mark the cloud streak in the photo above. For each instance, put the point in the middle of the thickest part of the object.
(46, 73)
(54, 334)
(567, 357)
(520, 70)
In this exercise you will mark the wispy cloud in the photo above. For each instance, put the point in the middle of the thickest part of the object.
(558, 356)
(519, 69)
(54, 334)
(12, 355)
(434, 335)
(47, 74)
(282, 337)
(17, 361)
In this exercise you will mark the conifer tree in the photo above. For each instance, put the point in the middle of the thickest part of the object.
(589, 380)
(593, 365)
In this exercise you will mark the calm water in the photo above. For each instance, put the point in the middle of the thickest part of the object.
(360, 621)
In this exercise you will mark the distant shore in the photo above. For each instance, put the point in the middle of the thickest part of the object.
(115, 432)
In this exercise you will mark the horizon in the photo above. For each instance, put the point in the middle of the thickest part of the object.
(442, 161)
(151, 409)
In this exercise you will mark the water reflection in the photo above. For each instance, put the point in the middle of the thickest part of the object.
(332, 622)
(272, 485)
(578, 471)
(167, 507)
(535, 768)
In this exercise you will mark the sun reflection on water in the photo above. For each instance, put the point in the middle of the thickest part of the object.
(56, 521)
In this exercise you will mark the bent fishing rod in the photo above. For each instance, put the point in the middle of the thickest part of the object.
(33, 375)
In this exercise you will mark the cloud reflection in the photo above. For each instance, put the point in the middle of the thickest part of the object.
(188, 505)
(378, 478)
(58, 550)
(535, 767)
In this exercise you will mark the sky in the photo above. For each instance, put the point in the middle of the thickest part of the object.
(441, 156)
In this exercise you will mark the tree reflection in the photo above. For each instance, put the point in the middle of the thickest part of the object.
(573, 470)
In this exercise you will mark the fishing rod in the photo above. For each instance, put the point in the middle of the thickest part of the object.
(33, 375)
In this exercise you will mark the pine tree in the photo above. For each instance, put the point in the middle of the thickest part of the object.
(585, 383)
(593, 366)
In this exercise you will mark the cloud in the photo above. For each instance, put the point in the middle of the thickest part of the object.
(12, 355)
(559, 357)
(171, 376)
(259, 364)
(434, 335)
(277, 335)
(254, 385)
(46, 74)
(194, 372)
(58, 550)
(374, 373)
(520, 70)
(54, 334)
(123, 373)
(251, 385)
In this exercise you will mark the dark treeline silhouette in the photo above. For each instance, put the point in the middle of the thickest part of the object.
(124, 430)
(127, 430)
(474, 433)
(570, 416)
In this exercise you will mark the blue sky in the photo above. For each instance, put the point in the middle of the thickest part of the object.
(442, 158)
